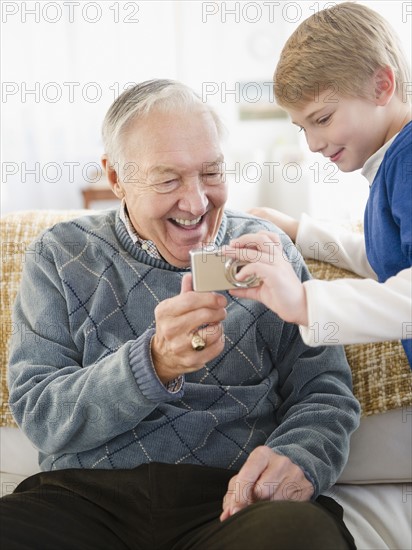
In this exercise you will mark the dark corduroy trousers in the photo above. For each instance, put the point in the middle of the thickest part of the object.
(158, 507)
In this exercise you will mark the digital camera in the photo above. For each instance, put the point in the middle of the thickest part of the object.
(212, 270)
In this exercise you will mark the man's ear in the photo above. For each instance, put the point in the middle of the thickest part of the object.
(385, 86)
(112, 177)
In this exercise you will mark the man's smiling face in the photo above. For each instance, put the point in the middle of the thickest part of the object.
(172, 181)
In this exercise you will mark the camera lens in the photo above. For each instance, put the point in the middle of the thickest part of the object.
(231, 269)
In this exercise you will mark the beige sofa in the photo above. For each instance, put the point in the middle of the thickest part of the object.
(375, 488)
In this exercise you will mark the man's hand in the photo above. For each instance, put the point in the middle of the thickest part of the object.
(176, 320)
(265, 476)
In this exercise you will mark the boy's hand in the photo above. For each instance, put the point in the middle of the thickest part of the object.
(286, 223)
(280, 289)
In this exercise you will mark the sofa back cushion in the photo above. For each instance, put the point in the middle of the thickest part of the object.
(382, 377)
(18, 230)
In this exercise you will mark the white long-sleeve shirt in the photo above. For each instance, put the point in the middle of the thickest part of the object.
(351, 311)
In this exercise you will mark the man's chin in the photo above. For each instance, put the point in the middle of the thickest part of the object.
(179, 253)
(177, 258)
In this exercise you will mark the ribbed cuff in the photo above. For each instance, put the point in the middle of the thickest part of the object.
(145, 375)
(290, 454)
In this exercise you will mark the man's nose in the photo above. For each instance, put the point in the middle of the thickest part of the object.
(194, 198)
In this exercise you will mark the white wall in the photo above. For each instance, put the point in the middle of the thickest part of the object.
(87, 63)
(77, 58)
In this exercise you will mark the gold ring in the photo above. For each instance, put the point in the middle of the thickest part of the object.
(197, 342)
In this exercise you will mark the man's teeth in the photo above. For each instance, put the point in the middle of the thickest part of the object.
(180, 221)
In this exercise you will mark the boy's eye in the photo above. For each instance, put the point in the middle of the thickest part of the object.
(324, 119)
(302, 129)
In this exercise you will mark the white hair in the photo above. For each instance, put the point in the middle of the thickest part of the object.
(139, 101)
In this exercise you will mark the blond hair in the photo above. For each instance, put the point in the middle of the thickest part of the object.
(338, 49)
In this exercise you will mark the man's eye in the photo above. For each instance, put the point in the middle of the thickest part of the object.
(166, 186)
(212, 177)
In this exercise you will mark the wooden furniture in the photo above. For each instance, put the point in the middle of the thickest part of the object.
(92, 194)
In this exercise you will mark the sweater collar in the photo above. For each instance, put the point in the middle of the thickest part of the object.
(145, 244)
(143, 256)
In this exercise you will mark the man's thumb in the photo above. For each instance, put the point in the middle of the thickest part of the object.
(186, 283)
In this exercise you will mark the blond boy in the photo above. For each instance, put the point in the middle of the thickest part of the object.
(343, 80)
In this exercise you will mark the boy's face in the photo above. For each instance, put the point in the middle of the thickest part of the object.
(346, 130)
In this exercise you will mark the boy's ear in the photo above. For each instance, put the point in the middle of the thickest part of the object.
(112, 177)
(384, 82)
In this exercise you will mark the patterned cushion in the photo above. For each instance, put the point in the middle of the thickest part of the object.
(381, 374)
(17, 230)
(382, 378)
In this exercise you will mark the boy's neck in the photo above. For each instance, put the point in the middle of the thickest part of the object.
(399, 117)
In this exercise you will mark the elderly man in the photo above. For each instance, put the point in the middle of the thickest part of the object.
(164, 417)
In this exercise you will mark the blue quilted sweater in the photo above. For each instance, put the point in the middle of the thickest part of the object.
(83, 388)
